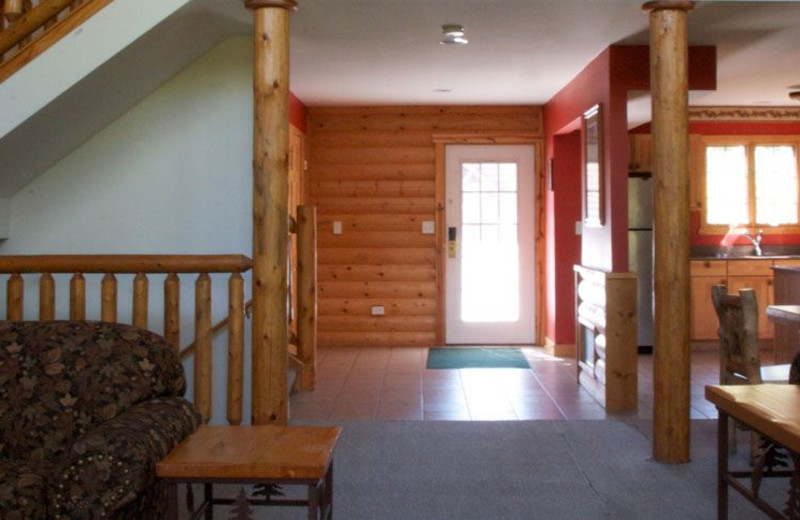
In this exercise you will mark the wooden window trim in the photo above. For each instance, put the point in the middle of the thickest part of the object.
(749, 142)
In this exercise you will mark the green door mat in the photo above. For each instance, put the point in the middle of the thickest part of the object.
(471, 357)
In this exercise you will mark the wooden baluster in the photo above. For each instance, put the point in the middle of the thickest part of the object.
(172, 310)
(202, 352)
(307, 296)
(77, 297)
(108, 298)
(12, 9)
(140, 300)
(47, 297)
(26, 6)
(16, 287)
(235, 347)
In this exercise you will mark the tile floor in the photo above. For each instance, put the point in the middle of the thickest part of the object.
(393, 384)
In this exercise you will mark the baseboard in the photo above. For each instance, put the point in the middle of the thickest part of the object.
(564, 350)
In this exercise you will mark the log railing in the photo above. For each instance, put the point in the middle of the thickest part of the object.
(29, 27)
(173, 266)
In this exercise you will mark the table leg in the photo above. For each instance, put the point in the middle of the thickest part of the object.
(172, 501)
(329, 491)
(722, 465)
(313, 501)
(208, 492)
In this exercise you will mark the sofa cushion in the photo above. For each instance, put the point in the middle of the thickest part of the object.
(22, 489)
(59, 378)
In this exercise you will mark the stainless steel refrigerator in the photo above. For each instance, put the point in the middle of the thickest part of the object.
(640, 253)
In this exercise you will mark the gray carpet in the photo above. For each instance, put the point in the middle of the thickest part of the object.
(518, 470)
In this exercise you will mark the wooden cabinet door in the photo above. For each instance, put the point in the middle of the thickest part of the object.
(765, 295)
(704, 322)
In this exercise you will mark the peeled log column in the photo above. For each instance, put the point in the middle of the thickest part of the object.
(77, 297)
(671, 363)
(108, 298)
(270, 209)
(47, 297)
(202, 340)
(235, 347)
(15, 289)
(172, 310)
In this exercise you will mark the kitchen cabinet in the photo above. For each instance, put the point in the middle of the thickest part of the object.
(704, 275)
(640, 160)
(756, 275)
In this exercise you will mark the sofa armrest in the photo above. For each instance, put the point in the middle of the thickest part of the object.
(110, 467)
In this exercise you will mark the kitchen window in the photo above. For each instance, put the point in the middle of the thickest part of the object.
(750, 182)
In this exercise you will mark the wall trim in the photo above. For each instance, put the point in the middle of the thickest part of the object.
(753, 114)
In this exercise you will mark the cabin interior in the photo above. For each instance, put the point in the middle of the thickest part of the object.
(132, 134)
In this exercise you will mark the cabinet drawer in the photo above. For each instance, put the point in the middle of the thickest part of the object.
(788, 262)
(750, 267)
(708, 268)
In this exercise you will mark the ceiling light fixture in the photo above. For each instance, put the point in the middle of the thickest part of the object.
(795, 95)
(453, 34)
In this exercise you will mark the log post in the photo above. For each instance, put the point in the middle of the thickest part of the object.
(15, 290)
(307, 296)
(77, 297)
(47, 297)
(172, 310)
(671, 363)
(235, 348)
(140, 300)
(108, 298)
(270, 209)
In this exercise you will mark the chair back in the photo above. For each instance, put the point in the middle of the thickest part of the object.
(738, 336)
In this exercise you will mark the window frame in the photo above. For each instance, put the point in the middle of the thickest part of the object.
(749, 142)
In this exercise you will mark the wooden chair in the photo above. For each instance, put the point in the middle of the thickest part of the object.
(740, 361)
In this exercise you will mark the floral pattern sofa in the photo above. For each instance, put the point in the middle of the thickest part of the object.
(86, 411)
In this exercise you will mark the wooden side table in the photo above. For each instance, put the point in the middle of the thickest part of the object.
(774, 412)
(283, 455)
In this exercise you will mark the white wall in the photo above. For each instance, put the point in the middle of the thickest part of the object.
(172, 175)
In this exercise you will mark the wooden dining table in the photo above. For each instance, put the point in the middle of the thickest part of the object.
(787, 338)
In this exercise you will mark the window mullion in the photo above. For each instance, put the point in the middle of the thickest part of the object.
(751, 182)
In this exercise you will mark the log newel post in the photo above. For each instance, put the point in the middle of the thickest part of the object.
(270, 209)
(671, 364)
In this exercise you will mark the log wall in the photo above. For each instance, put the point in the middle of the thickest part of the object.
(373, 170)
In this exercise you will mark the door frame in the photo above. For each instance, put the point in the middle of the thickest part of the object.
(523, 138)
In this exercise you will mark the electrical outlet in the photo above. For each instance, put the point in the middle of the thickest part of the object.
(428, 227)
(578, 227)
(378, 310)
(337, 227)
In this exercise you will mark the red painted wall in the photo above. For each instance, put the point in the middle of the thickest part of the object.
(298, 114)
(606, 80)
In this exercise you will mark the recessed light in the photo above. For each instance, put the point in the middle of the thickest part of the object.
(453, 34)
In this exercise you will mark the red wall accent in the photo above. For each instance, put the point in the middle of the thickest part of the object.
(606, 80)
(298, 114)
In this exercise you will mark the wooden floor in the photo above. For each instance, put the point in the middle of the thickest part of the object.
(393, 384)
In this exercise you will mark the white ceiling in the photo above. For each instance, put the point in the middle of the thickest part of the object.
(520, 51)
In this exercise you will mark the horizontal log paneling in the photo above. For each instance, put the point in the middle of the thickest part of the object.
(373, 188)
(348, 289)
(373, 170)
(403, 273)
(364, 222)
(350, 256)
(377, 323)
(325, 237)
(363, 306)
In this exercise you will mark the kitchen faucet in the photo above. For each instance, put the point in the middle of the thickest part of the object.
(756, 241)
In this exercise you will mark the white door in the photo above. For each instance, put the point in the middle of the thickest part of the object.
(490, 271)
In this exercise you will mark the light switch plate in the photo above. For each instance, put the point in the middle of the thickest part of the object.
(378, 310)
(337, 227)
(428, 227)
(578, 227)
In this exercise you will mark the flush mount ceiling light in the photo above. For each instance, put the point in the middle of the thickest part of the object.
(453, 34)
(795, 95)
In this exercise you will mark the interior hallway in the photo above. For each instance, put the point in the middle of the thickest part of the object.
(376, 384)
